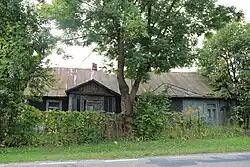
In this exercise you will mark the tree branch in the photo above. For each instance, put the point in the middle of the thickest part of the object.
(137, 82)
(228, 70)
(135, 88)
(157, 19)
(143, 7)
(233, 71)
(135, 2)
(149, 17)
(171, 6)
(168, 13)
(83, 37)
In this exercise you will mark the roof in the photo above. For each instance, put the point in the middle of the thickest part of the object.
(179, 84)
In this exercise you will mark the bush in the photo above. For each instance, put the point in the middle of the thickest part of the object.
(56, 128)
(65, 128)
(24, 128)
(150, 115)
(152, 120)
(185, 126)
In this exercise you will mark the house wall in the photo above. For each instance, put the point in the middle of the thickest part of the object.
(108, 102)
(212, 110)
(176, 104)
(93, 96)
(97, 102)
(91, 102)
(41, 105)
(92, 88)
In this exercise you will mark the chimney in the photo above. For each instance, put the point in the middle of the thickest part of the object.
(94, 66)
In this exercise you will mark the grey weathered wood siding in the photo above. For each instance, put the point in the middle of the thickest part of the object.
(41, 105)
(92, 89)
(217, 114)
(176, 104)
(93, 96)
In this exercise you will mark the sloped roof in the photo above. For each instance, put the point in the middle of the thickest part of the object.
(179, 84)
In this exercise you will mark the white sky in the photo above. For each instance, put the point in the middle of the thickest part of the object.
(79, 54)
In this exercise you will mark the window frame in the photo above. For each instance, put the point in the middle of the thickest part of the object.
(53, 101)
(108, 100)
(212, 110)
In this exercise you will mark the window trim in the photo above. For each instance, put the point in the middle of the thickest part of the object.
(110, 103)
(55, 101)
(213, 111)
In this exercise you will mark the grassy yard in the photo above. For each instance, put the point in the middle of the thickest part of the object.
(126, 150)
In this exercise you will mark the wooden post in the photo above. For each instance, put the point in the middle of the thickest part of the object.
(82, 99)
(70, 102)
(199, 122)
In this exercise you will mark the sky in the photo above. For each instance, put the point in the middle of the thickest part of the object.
(84, 57)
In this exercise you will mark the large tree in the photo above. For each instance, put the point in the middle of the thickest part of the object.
(24, 43)
(225, 60)
(140, 35)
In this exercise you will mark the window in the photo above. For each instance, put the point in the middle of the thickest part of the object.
(54, 105)
(209, 113)
(79, 103)
(108, 104)
(212, 112)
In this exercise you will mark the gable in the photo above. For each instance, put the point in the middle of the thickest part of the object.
(91, 87)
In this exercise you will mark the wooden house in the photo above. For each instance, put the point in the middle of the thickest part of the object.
(90, 89)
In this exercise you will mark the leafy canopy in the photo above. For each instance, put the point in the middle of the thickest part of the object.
(225, 61)
(140, 35)
(157, 34)
(24, 43)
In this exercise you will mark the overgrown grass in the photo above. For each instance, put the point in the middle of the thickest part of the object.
(125, 149)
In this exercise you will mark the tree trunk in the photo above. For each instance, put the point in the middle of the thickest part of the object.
(126, 104)
(127, 108)
(127, 98)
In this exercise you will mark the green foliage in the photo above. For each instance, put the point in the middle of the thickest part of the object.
(190, 126)
(153, 121)
(24, 128)
(141, 35)
(158, 34)
(223, 131)
(24, 44)
(225, 61)
(57, 128)
(126, 149)
(150, 115)
(65, 128)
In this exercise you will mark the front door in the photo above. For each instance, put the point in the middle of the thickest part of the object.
(83, 103)
(79, 103)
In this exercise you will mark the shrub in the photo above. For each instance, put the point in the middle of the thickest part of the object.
(56, 128)
(150, 115)
(65, 128)
(192, 125)
(152, 120)
(24, 128)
